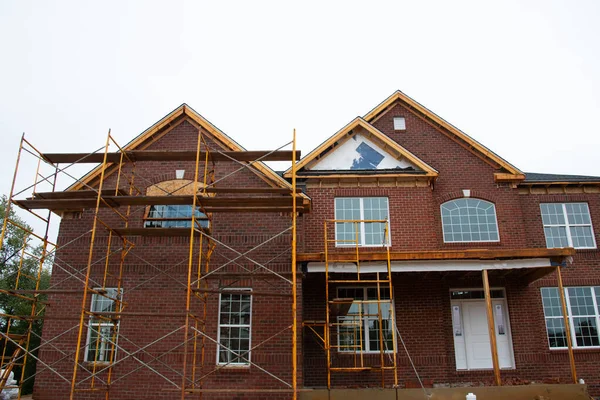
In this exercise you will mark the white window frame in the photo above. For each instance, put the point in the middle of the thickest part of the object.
(365, 323)
(568, 225)
(570, 317)
(470, 241)
(249, 326)
(361, 229)
(97, 325)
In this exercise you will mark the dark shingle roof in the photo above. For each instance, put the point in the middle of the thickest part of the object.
(535, 177)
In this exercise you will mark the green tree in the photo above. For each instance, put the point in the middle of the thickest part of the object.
(12, 261)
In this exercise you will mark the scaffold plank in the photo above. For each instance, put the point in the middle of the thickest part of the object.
(154, 155)
(79, 194)
(247, 190)
(238, 291)
(215, 204)
(156, 232)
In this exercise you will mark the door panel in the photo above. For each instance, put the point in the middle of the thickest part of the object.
(477, 340)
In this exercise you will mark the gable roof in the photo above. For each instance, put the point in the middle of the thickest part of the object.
(486, 153)
(170, 121)
(330, 145)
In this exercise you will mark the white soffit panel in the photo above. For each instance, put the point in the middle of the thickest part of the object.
(432, 266)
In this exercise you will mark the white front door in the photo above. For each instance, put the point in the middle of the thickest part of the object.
(472, 346)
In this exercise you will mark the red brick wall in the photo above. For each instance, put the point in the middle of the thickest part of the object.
(422, 300)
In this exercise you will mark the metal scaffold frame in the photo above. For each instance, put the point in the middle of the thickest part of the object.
(341, 307)
(99, 375)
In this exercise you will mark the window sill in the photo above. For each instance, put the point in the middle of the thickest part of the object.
(233, 368)
(476, 370)
(362, 246)
(590, 349)
(492, 242)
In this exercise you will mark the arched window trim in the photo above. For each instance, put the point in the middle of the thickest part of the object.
(445, 234)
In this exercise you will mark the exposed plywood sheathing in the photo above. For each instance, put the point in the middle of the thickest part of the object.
(347, 156)
(375, 135)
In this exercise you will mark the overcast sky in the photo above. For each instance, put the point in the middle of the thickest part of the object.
(521, 77)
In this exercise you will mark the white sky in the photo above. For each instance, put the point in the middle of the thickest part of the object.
(521, 77)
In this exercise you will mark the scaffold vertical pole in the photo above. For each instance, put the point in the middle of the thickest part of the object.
(34, 304)
(327, 326)
(190, 265)
(10, 196)
(89, 270)
(294, 282)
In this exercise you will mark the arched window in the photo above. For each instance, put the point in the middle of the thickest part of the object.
(469, 220)
(173, 216)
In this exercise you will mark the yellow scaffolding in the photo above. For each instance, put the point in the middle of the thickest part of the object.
(344, 327)
(121, 165)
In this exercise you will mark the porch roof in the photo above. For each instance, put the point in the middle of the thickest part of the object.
(556, 255)
(526, 264)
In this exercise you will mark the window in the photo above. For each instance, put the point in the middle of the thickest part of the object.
(399, 124)
(469, 220)
(568, 225)
(102, 331)
(234, 329)
(365, 315)
(582, 311)
(360, 209)
(175, 216)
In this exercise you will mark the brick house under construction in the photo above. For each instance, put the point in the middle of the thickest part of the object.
(411, 255)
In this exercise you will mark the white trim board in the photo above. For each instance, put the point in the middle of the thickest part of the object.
(432, 265)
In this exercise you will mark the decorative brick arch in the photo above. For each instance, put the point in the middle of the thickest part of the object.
(475, 194)
(170, 176)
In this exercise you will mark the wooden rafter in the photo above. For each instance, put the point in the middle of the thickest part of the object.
(158, 155)
(209, 204)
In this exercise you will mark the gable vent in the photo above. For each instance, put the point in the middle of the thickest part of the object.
(399, 124)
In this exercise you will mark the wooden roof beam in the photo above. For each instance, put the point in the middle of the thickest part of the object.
(471, 254)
